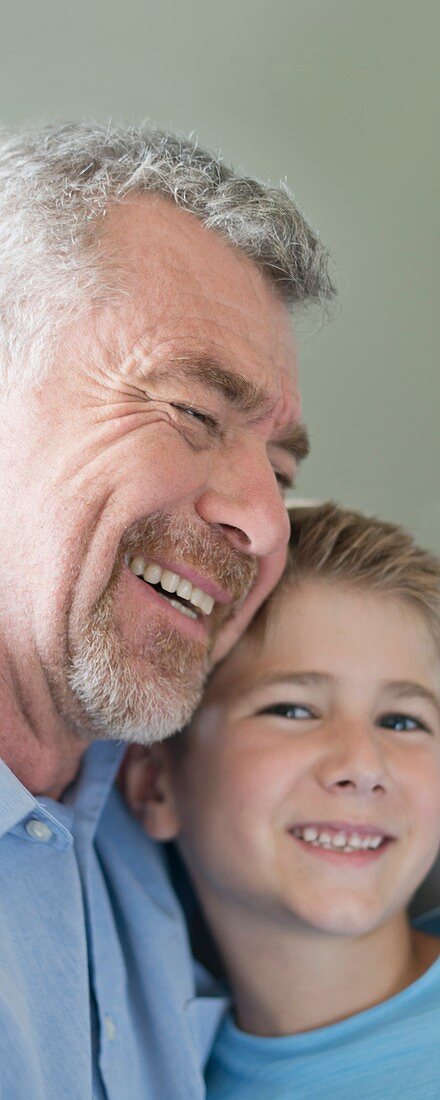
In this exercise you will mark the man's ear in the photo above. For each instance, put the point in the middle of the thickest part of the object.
(147, 786)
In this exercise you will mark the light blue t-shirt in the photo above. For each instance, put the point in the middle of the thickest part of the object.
(97, 985)
(389, 1052)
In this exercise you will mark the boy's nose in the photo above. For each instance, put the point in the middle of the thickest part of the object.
(354, 763)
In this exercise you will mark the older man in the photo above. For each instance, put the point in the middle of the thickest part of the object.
(149, 421)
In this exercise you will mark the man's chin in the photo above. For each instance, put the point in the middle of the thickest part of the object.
(141, 695)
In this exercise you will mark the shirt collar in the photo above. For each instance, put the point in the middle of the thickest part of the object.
(83, 802)
(88, 794)
(15, 801)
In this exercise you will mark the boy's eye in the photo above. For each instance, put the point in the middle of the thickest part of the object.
(402, 723)
(288, 710)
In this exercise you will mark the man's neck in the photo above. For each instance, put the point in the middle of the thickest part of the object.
(35, 744)
(306, 980)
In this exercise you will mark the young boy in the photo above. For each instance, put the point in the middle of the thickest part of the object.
(305, 802)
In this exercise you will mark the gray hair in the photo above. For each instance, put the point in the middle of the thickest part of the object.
(58, 181)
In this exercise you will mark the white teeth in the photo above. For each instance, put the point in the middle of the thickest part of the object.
(340, 841)
(200, 599)
(208, 604)
(172, 582)
(152, 573)
(196, 597)
(184, 610)
(137, 565)
(169, 580)
(184, 589)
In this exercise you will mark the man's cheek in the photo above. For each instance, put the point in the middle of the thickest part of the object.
(270, 571)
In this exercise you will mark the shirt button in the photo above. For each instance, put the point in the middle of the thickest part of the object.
(38, 830)
(110, 1028)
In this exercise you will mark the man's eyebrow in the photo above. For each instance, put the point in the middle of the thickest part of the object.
(206, 372)
(238, 391)
(408, 689)
(295, 441)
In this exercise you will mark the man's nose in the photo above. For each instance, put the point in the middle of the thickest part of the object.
(354, 761)
(244, 499)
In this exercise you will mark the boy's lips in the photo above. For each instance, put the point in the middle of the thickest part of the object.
(342, 836)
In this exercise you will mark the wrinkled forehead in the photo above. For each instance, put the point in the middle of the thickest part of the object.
(185, 273)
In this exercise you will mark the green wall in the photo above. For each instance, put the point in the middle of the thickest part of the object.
(341, 98)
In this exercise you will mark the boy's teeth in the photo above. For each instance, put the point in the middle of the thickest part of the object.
(339, 841)
(172, 582)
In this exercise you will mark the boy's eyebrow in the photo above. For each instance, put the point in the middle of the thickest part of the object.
(406, 689)
(402, 689)
(286, 677)
(240, 392)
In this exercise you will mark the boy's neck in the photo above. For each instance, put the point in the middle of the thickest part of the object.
(305, 980)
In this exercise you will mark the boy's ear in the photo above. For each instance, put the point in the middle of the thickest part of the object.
(145, 779)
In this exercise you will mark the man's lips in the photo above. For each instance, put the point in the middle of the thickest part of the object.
(182, 592)
(186, 619)
(189, 573)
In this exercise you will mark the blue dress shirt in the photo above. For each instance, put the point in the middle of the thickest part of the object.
(99, 997)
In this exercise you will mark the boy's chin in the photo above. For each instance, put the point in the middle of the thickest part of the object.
(345, 918)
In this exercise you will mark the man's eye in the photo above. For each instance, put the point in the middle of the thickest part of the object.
(197, 414)
(284, 481)
(402, 723)
(288, 710)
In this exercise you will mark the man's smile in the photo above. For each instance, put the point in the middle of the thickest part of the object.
(189, 592)
(170, 582)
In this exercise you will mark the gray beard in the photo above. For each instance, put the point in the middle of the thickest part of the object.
(148, 692)
(142, 696)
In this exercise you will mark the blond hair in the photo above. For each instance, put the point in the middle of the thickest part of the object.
(335, 544)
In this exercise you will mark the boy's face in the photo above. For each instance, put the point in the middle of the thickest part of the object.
(310, 785)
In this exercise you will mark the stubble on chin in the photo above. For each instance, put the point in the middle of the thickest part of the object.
(141, 694)
(145, 691)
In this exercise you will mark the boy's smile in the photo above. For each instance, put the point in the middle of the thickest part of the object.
(309, 790)
(343, 838)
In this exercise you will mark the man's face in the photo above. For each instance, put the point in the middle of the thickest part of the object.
(155, 446)
(308, 793)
